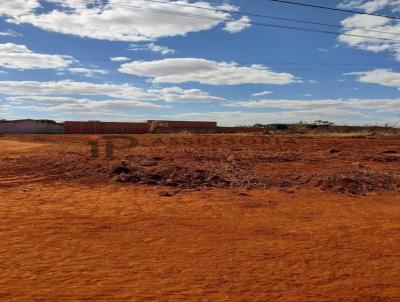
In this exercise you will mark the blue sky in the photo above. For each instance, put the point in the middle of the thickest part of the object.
(129, 60)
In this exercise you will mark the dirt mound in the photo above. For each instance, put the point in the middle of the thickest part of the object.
(332, 165)
(156, 171)
(360, 182)
(179, 174)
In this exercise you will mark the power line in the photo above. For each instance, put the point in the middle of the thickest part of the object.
(263, 24)
(335, 9)
(269, 25)
(270, 17)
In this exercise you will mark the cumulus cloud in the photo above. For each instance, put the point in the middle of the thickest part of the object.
(154, 48)
(357, 111)
(262, 93)
(181, 70)
(368, 5)
(234, 118)
(40, 99)
(67, 87)
(14, 56)
(117, 20)
(9, 33)
(119, 59)
(237, 25)
(17, 8)
(75, 4)
(21, 57)
(108, 100)
(351, 104)
(84, 98)
(365, 21)
(387, 28)
(70, 104)
(56, 91)
(86, 71)
(384, 77)
(177, 94)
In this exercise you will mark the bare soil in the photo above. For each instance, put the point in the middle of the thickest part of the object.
(200, 218)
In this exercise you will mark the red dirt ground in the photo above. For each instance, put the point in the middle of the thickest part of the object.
(325, 226)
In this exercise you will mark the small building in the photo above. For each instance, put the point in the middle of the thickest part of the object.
(28, 126)
(156, 126)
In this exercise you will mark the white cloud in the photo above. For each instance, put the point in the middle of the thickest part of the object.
(341, 111)
(56, 92)
(237, 25)
(369, 6)
(20, 57)
(228, 7)
(14, 56)
(349, 4)
(262, 93)
(351, 104)
(164, 50)
(40, 99)
(87, 72)
(9, 33)
(234, 118)
(364, 21)
(384, 77)
(181, 70)
(74, 3)
(67, 87)
(83, 98)
(386, 28)
(116, 20)
(69, 104)
(119, 59)
(177, 94)
(15, 8)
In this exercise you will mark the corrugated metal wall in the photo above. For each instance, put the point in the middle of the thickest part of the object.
(105, 128)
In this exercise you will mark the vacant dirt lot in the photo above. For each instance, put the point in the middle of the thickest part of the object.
(199, 218)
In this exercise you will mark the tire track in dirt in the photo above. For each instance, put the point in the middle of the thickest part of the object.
(5, 181)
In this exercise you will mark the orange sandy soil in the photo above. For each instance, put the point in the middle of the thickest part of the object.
(95, 240)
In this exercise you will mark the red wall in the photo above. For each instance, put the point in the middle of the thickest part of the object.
(105, 128)
(184, 124)
(239, 129)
